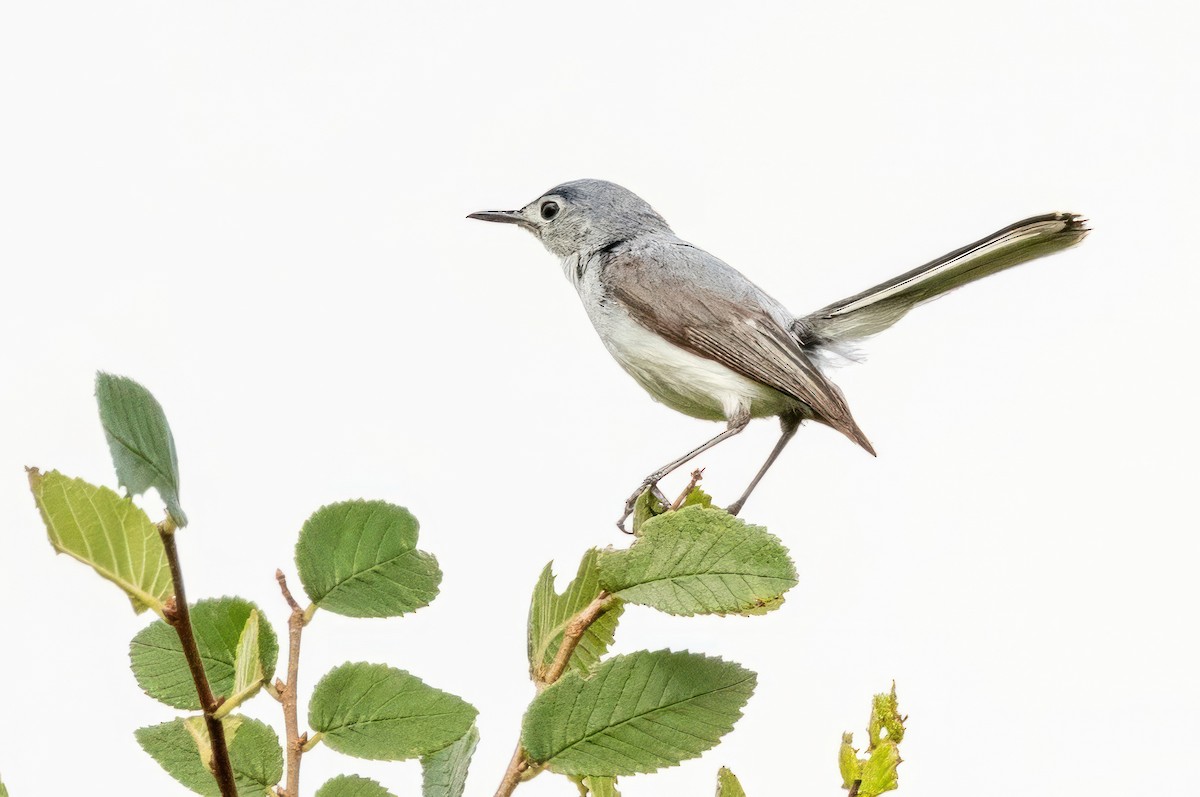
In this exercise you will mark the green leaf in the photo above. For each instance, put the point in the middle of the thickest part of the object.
(444, 773)
(697, 497)
(877, 773)
(637, 713)
(219, 626)
(728, 784)
(254, 752)
(197, 728)
(107, 532)
(886, 722)
(700, 561)
(359, 559)
(352, 786)
(143, 450)
(381, 713)
(549, 613)
(848, 764)
(3, 790)
(248, 671)
(646, 507)
(599, 786)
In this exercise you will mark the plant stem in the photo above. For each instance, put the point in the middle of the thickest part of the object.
(287, 691)
(178, 617)
(697, 475)
(572, 634)
(512, 775)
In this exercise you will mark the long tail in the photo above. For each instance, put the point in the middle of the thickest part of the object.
(876, 309)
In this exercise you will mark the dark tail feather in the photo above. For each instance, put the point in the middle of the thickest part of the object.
(876, 309)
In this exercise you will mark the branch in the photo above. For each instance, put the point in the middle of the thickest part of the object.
(697, 475)
(572, 634)
(297, 743)
(512, 775)
(176, 613)
(518, 767)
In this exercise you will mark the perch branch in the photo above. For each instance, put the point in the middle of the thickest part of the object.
(519, 766)
(176, 613)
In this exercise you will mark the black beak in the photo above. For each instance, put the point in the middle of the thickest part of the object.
(503, 216)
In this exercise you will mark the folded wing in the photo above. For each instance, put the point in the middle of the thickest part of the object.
(704, 306)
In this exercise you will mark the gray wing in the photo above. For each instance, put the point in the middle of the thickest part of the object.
(703, 305)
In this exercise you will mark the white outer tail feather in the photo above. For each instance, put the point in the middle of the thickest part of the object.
(877, 308)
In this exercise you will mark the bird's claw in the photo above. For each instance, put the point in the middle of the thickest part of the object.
(631, 502)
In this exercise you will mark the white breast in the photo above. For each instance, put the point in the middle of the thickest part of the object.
(686, 382)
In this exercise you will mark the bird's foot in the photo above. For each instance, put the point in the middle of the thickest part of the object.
(631, 502)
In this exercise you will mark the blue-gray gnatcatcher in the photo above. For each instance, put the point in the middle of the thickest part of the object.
(706, 341)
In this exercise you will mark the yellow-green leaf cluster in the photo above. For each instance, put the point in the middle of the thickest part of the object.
(877, 773)
(728, 785)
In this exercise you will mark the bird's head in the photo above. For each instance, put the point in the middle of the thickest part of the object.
(582, 216)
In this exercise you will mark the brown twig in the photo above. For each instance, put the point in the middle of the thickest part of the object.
(572, 634)
(697, 475)
(576, 627)
(512, 775)
(176, 613)
(287, 691)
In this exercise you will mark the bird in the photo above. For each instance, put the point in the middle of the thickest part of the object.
(704, 340)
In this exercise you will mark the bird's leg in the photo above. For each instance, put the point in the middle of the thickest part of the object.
(790, 424)
(735, 425)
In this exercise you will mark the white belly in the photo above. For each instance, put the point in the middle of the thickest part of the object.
(683, 381)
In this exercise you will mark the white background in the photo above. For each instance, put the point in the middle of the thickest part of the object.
(256, 209)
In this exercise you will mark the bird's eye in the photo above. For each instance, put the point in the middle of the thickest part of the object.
(549, 210)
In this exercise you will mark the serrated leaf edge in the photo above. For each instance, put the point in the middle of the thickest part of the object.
(139, 597)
